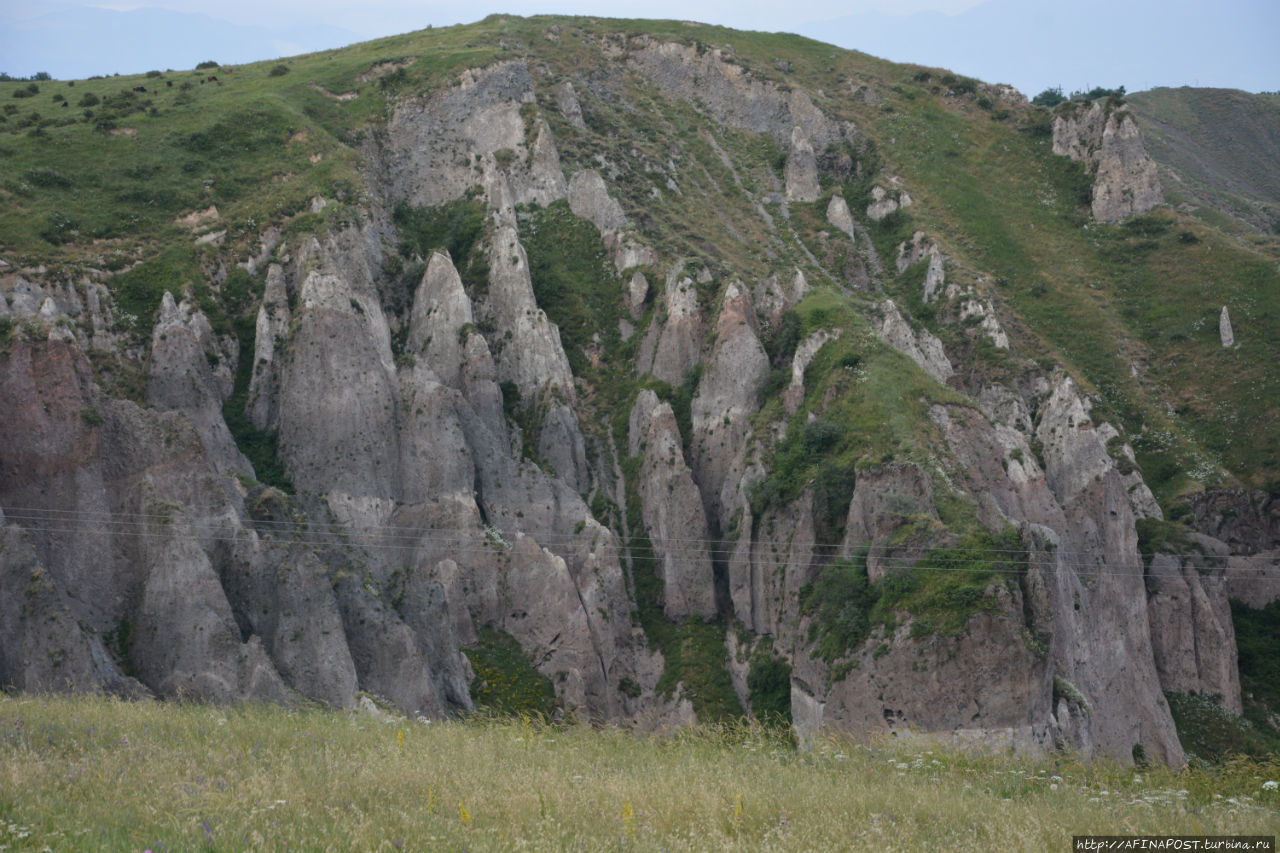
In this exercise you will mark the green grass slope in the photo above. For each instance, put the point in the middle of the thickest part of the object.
(94, 774)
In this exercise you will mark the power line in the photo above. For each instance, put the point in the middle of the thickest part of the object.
(682, 551)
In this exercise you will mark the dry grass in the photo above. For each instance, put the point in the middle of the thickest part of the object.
(99, 774)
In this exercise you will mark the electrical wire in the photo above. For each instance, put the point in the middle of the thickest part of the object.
(679, 551)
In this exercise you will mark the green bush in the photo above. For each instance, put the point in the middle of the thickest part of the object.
(138, 292)
(1049, 98)
(278, 70)
(60, 228)
(1258, 649)
(573, 280)
(456, 227)
(506, 681)
(1211, 734)
(208, 63)
(43, 176)
(839, 601)
(769, 688)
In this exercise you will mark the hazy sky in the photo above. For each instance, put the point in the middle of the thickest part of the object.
(1032, 44)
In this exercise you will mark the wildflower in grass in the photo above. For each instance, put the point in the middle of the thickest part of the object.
(1270, 785)
(628, 819)
(431, 799)
(400, 737)
(737, 811)
(464, 815)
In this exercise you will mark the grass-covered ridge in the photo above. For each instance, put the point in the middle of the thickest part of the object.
(100, 774)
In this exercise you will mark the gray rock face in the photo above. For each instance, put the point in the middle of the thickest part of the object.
(1191, 631)
(637, 295)
(886, 201)
(672, 509)
(589, 198)
(728, 395)
(1248, 523)
(285, 598)
(732, 96)
(532, 358)
(181, 376)
(679, 342)
(1096, 563)
(148, 566)
(1108, 142)
(773, 297)
(885, 499)
(42, 647)
(434, 141)
(561, 445)
(805, 352)
(271, 328)
(801, 173)
(919, 346)
(439, 320)
(567, 101)
(351, 384)
(980, 687)
(838, 214)
(1225, 333)
(185, 638)
(1084, 584)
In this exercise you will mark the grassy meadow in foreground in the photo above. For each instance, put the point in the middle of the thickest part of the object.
(101, 774)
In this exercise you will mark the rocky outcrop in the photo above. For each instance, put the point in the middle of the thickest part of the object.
(189, 371)
(1107, 140)
(434, 142)
(1190, 620)
(1225, 333)
(772, 296)
(675, 345)
(671, 506)
(728, 395)
(1248, 524)
(918, 345)
(589, 198)
(886, 201)
(567, 100)
(838, 214)
(732, 96)
(884, 500)
(919, 249)
(270, 331)
(454, 475)
(981, 687)
(801, 174)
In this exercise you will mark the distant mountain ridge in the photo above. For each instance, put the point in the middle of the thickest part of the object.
(1221, 150)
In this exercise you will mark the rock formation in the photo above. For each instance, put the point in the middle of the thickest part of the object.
(727, 399)
(1107, 140)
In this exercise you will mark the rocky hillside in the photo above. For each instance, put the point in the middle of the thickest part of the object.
(637, 371)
